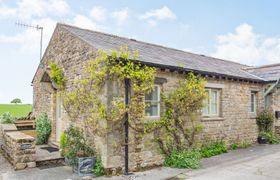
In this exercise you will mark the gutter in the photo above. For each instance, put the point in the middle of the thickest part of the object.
(176, 68)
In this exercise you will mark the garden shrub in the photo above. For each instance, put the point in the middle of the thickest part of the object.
(234, 146)
(43, 129)
(98, 169)
(74, 145)
(213, 149)
(183, 159)
(265, 121)
(7, 118)
(270, 136)
(63, 142)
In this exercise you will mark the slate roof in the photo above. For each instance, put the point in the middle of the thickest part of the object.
(161, 56)
(267, 72)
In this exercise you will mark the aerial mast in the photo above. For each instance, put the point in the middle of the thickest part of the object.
(38, 28)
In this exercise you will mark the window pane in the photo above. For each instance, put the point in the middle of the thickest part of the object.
(205, 110)
(152, 109)
(214, 104)
(253, 101)
(152, 96)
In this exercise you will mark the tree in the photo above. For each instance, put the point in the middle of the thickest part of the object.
(16, 101)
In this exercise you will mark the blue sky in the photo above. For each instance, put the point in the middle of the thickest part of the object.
(241, 31)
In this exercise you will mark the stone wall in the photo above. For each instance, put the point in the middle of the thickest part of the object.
(18, 147)
(71, 54)
(6, 128)
(276, 107)
(234, 125)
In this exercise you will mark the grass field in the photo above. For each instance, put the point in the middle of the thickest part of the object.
(17, 110)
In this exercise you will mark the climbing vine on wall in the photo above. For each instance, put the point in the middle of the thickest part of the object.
(57, 75)
(179, 121)
(84, 102)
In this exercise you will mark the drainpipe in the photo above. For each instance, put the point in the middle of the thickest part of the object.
(126, 82)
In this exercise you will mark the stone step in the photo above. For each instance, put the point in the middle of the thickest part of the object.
(50, 162)
(54, 144)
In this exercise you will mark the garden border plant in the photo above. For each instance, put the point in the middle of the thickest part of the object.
(43, 129)
(265, 120)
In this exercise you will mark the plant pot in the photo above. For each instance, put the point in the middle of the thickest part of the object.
(84, 166)
(262, 140)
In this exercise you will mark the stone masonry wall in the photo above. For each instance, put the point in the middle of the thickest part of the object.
(276, 107)
(18, 147)
(71, 54)
(234, 125)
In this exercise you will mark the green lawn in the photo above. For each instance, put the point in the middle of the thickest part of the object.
(17, 110)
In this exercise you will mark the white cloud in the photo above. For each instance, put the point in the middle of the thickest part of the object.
(98, 13)
(59, 6)
(28, 40)
(7, 12)
(159, 14)
(27, 9)
(121, 15)
(247, 47)
(84, 22)
(152, 22)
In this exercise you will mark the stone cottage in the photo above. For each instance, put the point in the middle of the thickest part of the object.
(237, 91)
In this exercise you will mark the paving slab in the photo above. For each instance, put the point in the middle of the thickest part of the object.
(257, 163)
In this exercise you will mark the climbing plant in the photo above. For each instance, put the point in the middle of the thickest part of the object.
(57, 75)
(84, 100)
(175, 130)
(179, 121)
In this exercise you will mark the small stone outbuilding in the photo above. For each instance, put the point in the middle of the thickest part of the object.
(237, 91)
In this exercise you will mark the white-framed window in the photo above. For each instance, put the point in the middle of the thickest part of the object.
(253, 102)
(152, 102)
(212, 103)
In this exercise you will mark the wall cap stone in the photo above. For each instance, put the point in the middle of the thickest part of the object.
(8, 127)
(19, 136)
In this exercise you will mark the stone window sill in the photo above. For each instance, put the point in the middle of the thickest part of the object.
(213, 119)
(149, 118)
(253, 116)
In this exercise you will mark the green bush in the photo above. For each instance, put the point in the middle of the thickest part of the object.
(234, 146)
(98, 169)
(63, 142)
(74, 145)
(270, 136)
(265, 121)
(7, 118)
(43, 129)
(213, 149)
(183, 159)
